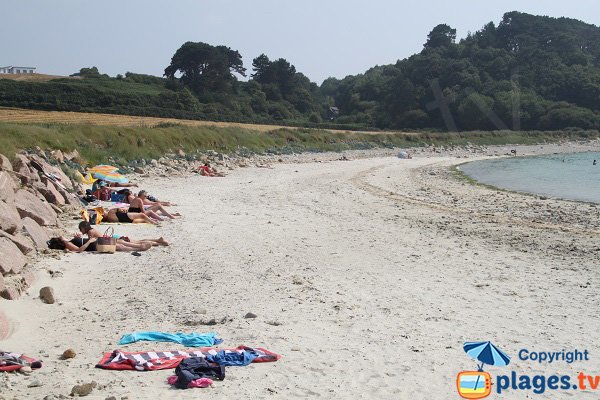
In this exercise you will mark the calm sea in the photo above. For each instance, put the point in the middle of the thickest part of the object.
(566, 176)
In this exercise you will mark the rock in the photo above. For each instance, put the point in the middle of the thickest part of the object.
(5, 164)
(250, 315)
(35, 383)
(70, 199)
(58, 156)
(83, 390)
(2, 287)
(111, 398)
(21, 165)
(72, 155)
(10, 220)
(28, 205)
(67, 354)
(138, 170)
(47, 295)
(37, 234)
(23, 243)
(50, 192)
(27, 280)
(10, 294)
(7, 187)
(181, 153)
(25, 370)
(11, 258)
(154, 163)
(50, 169)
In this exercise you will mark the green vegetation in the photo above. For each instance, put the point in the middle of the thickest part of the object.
(527, 73)
(98, 144)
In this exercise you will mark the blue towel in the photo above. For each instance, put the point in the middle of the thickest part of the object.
(229, 359)
(189, 340)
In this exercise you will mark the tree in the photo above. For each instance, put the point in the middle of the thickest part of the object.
(441, 36)
(206, 68)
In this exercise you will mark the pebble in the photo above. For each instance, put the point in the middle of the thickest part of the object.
(35, 383)
(250, 315)
(69, 353)
(47, 295)
(83, 390)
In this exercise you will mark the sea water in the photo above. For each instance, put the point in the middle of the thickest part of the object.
(566, 176)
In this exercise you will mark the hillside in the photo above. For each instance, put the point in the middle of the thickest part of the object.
(526, 73)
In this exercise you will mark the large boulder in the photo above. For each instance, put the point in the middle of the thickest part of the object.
(5, 163)
(23, 243)
(7, 187)
(10, 220)
(52, 170)
(37, 234)
(31, 206)
(11, 258)
(49, 191)
(21, 166)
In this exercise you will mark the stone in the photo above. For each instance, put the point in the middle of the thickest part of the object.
(51, 169)
(2, 287)
(35, 383)
(50, 192)
(21, 165)
(68, 354)
(5, 164)
(10, 294)
(250, 315)
(24, 244)
(7, 187)
(11, 258)
(181, 153)
(10, 220)
(57, 155)
(28, 205)
(47, 295)
(25, 370)
(70, 199)
(83, 390)
(73, 155)
(37, 234)
(27, 279)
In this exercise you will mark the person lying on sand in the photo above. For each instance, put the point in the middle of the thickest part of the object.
(124, 216)
(87, 229)
(79, 245)
(207, 170)
(150, 208)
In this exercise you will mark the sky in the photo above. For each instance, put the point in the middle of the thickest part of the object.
(322, 38)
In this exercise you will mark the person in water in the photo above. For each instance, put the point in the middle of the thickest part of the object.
(143, 244)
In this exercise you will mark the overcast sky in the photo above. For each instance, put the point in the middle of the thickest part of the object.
(321, 38)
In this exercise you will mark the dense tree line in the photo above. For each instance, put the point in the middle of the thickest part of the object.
(529, 72)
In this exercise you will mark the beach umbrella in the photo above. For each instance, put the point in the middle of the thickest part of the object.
(486, 353)
(103, 168)
(114, 177)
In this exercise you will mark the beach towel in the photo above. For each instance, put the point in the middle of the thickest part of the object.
(14, 361)
(187, 339)
(157, 360)
(231, 359)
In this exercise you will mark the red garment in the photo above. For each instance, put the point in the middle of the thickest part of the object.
(198, 383)
(13, 362)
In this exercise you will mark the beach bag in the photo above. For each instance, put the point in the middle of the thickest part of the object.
(107, 243)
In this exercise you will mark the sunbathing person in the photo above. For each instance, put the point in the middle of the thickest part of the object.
(124, 216)
(150, 208)
(207, 170)
(79, 245)
(86, 229)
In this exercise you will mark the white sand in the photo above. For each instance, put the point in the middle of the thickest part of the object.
(377, 270)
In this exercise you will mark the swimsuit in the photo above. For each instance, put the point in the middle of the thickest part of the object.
(123, 217)
(134, 209)
(80, 242)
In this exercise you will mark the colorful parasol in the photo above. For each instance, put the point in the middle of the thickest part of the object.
(114, 177)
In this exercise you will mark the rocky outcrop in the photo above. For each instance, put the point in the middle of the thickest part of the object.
(24, 243)
(7, 187)
(29, 205)
(12, 260)
(10, 220)
(5, 163)
(37, 234)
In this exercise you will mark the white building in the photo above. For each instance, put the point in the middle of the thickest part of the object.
(17, 70)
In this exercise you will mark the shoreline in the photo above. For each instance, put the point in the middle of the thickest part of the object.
(421, 254)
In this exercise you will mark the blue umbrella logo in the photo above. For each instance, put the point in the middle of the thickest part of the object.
(486, 353)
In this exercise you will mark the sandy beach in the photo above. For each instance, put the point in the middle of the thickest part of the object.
(367, 276)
